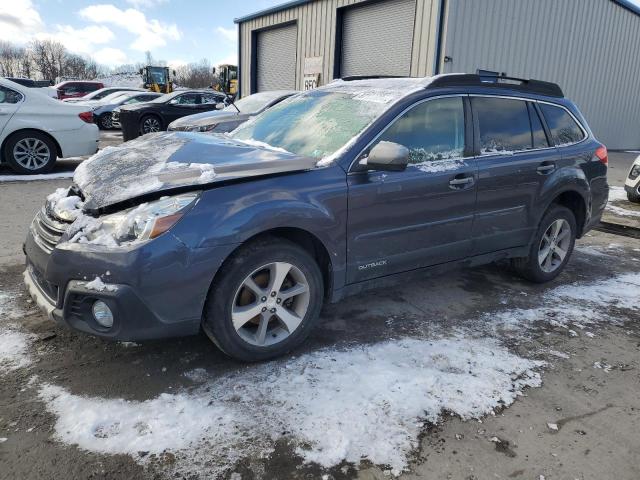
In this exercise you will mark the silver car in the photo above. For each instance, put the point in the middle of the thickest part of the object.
(233, 115)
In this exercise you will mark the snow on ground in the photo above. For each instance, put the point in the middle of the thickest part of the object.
(620, 204)
(367, 402)
(14, 345)
(31, 178)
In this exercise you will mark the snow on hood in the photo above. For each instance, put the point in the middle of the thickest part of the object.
(163, 161)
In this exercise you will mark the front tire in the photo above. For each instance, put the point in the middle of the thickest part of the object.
(264, 301)
(30, 153)
(551, 247)
(150, 124)
(634, 195)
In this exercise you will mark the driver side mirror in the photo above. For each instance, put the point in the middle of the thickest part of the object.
(387, 156)
(220, 106)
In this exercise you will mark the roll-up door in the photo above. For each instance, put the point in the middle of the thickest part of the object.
(377, 38)
(276, 59)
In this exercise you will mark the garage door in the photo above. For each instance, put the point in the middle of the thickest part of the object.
(377, 38)
(276, 55)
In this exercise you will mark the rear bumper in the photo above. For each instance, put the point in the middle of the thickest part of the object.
(78, 143)
(129, 125)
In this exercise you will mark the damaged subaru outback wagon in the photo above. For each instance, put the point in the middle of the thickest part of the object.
(350, 186)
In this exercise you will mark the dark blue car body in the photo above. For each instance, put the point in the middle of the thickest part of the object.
(367, 228)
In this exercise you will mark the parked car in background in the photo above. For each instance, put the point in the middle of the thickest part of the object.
(632, 184)
(231, 116)
(42, 86)
(103, 110)
(36, 129)
(353, 185)
(102, 93)
(154, 116)
(76, 88)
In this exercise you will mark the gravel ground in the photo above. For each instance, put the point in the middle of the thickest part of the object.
(582, 422)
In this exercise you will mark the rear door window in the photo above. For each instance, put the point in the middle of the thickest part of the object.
(504, 125)
(432, 130)
(564, 129)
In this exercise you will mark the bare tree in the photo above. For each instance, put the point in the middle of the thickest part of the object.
(49, 58)
(195, 75)
(10, 56)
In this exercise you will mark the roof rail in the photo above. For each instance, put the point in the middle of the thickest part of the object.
(369, 77)
(497, 81)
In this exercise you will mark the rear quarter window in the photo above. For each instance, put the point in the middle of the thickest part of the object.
(564, 129)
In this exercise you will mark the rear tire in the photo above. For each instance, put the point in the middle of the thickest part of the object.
(551, 247)
(105, 122)
(252, 318)
(30, 153)
(634, 195)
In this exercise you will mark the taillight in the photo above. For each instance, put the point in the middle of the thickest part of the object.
(86, 117)
(601, 153)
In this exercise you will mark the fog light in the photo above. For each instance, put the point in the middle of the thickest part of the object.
(102, 314)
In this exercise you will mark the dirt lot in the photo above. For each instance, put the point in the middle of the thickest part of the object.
(471, 375)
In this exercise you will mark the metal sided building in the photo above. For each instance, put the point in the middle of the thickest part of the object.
(590, 47)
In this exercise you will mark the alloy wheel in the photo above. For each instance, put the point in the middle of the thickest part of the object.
(554, 245)
(31, 153)
(106, 121)
(150, 125)
(270, 304)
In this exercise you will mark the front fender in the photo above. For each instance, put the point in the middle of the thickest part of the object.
(314, 201)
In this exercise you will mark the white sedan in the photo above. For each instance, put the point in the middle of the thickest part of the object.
(35, 129)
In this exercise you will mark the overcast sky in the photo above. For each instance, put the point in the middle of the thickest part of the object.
(118, 32)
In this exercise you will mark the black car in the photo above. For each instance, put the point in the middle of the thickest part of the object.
(155, 116)
(353, 185)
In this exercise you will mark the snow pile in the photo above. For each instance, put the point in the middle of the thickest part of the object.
(63, 206)
(369, 403)
(133, 80)
(618, 196)
(98, 285)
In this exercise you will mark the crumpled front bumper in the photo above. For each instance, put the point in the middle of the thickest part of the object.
(156, 291)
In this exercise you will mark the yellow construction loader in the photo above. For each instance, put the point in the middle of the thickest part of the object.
(157, 79)
(228, 75)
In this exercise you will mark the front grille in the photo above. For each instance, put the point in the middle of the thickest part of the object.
(47, 288)
(47, 231)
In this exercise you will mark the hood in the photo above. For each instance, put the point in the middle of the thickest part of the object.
(138, 106)
(205, 118)
(162, 161)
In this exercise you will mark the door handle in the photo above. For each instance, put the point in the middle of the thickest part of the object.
(460, 182)
(546, 168)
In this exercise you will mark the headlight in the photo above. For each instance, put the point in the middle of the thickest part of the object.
(205, 128)
(635, 172)
(144, 222)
